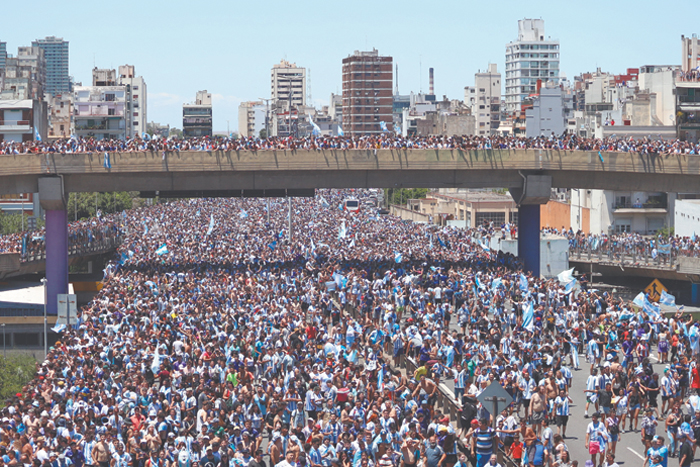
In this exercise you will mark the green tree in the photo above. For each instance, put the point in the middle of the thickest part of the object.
(15, 372)
(263, 134)
(84, 204)
(12, 223)
(402, 195)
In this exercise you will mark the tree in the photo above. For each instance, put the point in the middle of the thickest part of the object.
(86, 203)
(15, 372)
(263, 134)
(401, 196)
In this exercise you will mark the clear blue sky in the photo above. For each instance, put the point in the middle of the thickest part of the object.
(228, 46)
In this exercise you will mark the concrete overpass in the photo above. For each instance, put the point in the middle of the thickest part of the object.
(529, 174)
(303, 169)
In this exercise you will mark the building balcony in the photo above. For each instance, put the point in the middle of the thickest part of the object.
(651, 206)
(18, 126)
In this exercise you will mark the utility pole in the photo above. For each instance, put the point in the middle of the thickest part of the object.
(46, 332)
(290, 218)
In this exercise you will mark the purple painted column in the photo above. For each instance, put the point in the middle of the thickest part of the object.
(56, 258)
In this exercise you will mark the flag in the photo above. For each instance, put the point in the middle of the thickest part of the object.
(145, 231)
(523, 283)
(639, 299)
(442, 243)
(479, 285)
(664, 249)
(529, 316)
(313, 247)
(431, 241)
(398, 257)
(316, 131)
(343, 231)
(352, 243)
(600, 155)
(667, 299)
(497, 282)
(566, 276)
(37, 136)
(692, 239)
(162, 250)
(397, 129)
(107, 163)
(244, 214)
(340, 131)
(272, 245)
(211, 224)
(324, 203)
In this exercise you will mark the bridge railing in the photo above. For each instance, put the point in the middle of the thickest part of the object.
(630, 255)
(103, 245)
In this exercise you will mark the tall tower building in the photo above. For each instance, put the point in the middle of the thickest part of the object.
(3, 54)
(690, 58)
(56, 55)
(529, 59)
(197, 117)
(367, 93)
(135, 100)
(288, 80)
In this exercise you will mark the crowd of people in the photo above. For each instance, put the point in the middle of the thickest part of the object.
(222, 338)
(388, 140)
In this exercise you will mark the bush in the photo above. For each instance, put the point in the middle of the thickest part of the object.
(15, 372)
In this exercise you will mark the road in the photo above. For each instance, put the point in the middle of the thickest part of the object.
(629, 450)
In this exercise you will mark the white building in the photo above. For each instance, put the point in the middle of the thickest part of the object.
(691, 53)
(660, 83)
(549, 113)
(136, 100)
(251, 118)
(687, 217)
(528, 59)
(197, 117)
(288, 78)
(100, 111)
(484, 100)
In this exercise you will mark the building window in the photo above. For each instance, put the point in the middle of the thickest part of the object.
(136, 88)
(136, 123)
(136, 114)
(136, 96)
(110, 97)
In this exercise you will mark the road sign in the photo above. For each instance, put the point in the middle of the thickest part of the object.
(654, 289)
(67, 309)
(494, 399)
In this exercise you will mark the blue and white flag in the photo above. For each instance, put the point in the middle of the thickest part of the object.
(162, 250)
(37, 136)
(497, 282)
(211, 225)
(664, 249)
(352, 243)
(398, 257)
(441, 242)
(479, 285)
(107, 163)
(566, 276)
(244, 214)
(324, 203)
(382, 125)
(485, 247)
(667, 299)
(313, 247)
(145, 230)
(639, 299)
(692, 239)
(523, 283)
(529, 316)
(431, 241)
(315, 131)
(340, 131)
(272, 245)
(343, 231)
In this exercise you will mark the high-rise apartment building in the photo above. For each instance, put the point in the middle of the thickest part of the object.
(197, 117)
(56, 55)
(484, 100)
(529, 59)
(367, 93)
(288, 84)
(135, 100)
(251, 118)
(3, 54)
(691, 53)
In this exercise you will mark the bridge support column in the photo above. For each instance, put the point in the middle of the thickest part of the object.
(535, 190)
(56, 241)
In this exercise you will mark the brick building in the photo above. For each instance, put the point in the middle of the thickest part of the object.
(367, 93)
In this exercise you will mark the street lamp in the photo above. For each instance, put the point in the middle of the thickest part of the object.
(4, 342)
(46, 332)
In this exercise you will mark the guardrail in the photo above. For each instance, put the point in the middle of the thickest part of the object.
(640, 256)
(446, 401)
(94, 247)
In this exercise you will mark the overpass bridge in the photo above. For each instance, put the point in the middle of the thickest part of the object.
(529, 174)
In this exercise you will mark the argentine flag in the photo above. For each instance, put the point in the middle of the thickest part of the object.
(398, 257)
(523, 283)
(162, 250)
(340, 131)
(667, 299)
(529, 316)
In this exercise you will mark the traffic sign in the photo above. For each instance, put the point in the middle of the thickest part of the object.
(654, 289)
(494, 399)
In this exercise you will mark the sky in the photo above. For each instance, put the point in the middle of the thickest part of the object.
(229, 46)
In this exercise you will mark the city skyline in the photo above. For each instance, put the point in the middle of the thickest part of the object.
(229, 49)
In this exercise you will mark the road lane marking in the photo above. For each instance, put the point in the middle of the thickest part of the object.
(636, 453)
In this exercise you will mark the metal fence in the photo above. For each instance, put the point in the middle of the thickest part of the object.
(104, 245)
(625, 254)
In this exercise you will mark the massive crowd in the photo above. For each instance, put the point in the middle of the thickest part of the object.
(221, 338)
(648, 145)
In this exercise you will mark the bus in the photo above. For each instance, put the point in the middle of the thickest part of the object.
(351, 205)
